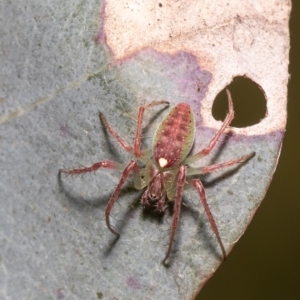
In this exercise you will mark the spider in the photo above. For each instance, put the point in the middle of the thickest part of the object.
(166, 171)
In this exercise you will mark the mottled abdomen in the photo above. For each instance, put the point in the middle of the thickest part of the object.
(174, 137)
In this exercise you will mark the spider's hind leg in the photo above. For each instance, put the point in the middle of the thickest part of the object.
(120, 140)
(214, 140)
(137, 140)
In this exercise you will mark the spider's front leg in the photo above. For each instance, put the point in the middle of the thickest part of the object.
(177, 207)
(196, 183)
(131, 167)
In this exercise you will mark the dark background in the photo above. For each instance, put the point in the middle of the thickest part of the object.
(265, 263)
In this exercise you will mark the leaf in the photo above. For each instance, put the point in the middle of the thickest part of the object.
(55, 80)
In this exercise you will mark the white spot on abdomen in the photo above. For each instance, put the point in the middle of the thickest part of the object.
(162, 162)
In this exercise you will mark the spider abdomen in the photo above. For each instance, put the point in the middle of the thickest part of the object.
(174, 136)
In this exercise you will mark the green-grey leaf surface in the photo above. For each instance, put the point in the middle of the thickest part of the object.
(54, 243)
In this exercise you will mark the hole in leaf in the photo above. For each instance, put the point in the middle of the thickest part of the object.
(248, 100)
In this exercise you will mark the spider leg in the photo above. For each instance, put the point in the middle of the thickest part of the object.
(132, 166)
(137, 140)
(199, 186)
(216, 167)
(161, 204)
(108, 164)
(144, 200)
(120, 140)
(215, 139)
(177, 207)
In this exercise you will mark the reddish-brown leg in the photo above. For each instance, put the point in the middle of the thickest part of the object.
(108, 164)
(215, 139)
(199, 186)
(132, 166)
(137, 141)
(216, 167)
(161, 204)
(120, 140)
(177, 207)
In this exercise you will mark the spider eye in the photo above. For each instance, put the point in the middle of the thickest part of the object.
(153, 197)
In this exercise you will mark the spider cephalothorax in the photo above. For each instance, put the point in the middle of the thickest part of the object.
(167, 169)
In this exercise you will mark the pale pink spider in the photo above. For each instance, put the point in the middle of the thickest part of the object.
(166, 170)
